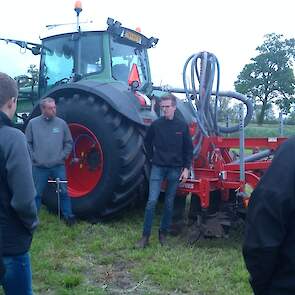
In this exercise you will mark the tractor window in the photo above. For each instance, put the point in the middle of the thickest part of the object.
(91, 53)
(123, 57)
(67, 55)
(57, 61)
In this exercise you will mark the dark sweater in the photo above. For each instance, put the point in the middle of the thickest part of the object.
(18, 213)
(269, 246)
(168, 143)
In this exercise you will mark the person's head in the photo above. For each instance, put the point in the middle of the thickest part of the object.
(168, 106)
(8, 95)
(48, 107)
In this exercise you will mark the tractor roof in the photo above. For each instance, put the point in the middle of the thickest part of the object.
(114, 27)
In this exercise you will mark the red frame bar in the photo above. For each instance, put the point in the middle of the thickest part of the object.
(214, 169)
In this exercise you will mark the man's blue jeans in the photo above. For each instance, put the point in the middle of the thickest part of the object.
(158, 174)
(18, 275)
(41, 176)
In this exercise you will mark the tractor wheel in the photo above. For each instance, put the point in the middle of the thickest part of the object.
(106, 169)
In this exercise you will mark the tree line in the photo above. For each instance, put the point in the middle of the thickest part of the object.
(269, 78)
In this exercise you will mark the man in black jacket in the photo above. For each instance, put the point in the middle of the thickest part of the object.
(269, 246)
(18, 213)
(169, 147)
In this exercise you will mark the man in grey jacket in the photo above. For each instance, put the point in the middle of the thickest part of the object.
(50, 143)
(18, 213)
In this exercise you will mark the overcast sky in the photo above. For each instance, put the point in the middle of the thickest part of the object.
(231, 29)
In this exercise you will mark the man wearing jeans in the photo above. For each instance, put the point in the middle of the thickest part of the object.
(50, 143)
(18, 213)
(169, 146)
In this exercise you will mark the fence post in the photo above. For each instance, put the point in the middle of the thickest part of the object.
(242, 146)
(281, 124)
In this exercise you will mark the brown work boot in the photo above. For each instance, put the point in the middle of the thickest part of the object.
(143, 242)
(162, 238)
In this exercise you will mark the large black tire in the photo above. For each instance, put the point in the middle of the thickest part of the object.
(124, 161)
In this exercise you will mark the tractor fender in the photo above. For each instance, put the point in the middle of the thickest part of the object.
(117, 95)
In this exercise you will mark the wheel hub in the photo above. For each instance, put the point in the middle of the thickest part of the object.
(85, 163)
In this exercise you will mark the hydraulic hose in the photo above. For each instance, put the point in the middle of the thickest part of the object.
(203, 100)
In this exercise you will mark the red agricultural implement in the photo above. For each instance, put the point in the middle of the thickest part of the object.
(217, 168)
(225, 170)
(221, 188)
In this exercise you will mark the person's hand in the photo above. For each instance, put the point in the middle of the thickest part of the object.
(184, 175)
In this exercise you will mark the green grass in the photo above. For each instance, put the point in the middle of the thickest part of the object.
(103, 259)
(267, 130)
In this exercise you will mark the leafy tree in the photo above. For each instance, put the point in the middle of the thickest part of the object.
(224, 109)
(270, 77)
(34, 72)
(291, 117)
(235, 113)
(28, 80)
(269, 114)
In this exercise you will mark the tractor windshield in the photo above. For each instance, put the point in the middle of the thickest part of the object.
(123, 57)
(65, 55)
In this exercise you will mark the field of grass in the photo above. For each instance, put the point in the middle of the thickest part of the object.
(267, 130)
(102, 259)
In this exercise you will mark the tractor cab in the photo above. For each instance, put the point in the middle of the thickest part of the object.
(115, 55)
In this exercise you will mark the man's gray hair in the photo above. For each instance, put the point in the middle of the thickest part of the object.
(8, 89)
(46, 100)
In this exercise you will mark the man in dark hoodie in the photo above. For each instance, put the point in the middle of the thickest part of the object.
(169, 147)
(269, 245)
(18, 213)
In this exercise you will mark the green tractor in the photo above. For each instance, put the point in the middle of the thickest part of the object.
(102, 86)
